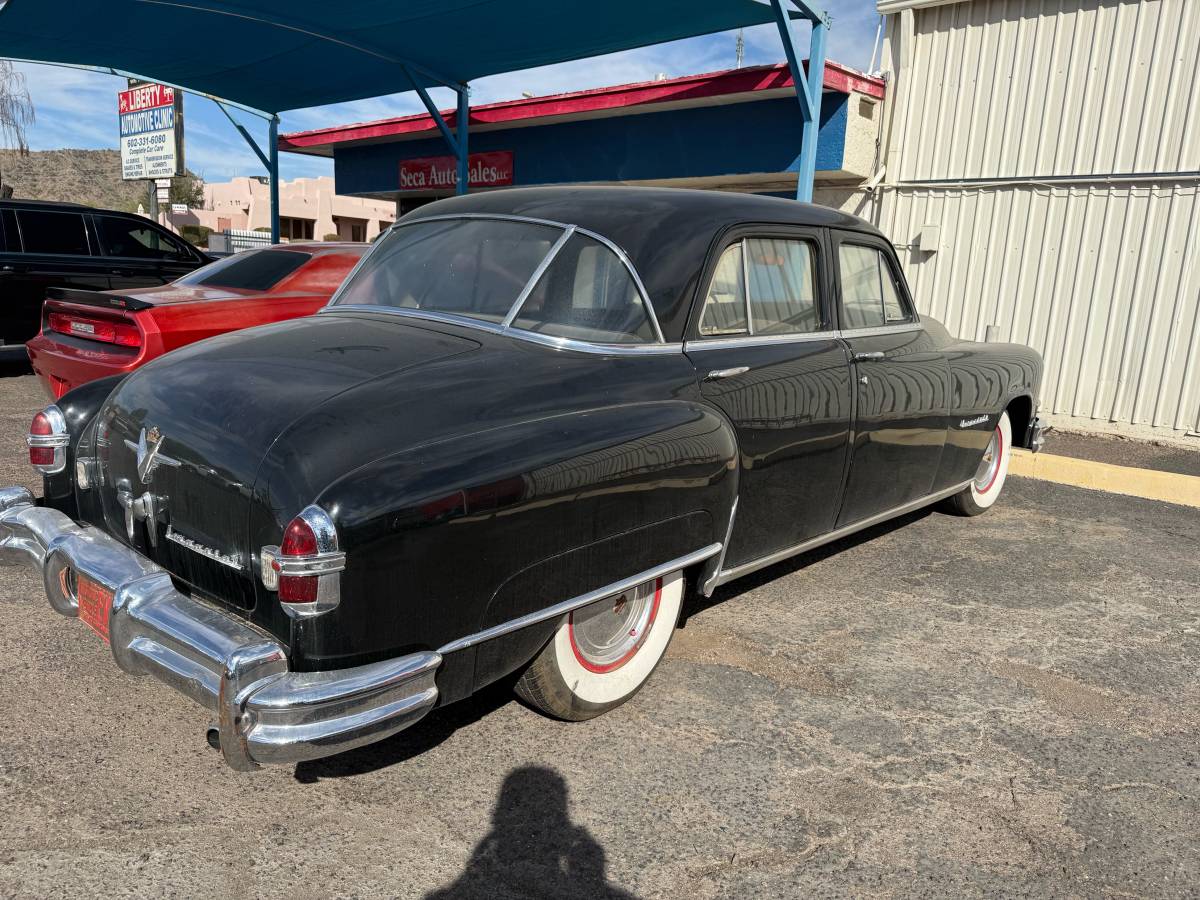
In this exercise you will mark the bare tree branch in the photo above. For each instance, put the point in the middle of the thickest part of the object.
(16, 107)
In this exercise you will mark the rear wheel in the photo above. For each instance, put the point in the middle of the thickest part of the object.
(602, 654)
(981, 493)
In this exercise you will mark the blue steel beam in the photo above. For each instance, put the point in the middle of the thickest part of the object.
(462, 126)
(246, 136)
(273, 168)
(808, 86)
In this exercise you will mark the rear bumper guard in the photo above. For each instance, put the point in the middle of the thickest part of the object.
(1036, 436)
(265, 712)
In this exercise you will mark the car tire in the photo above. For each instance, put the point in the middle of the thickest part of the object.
(602, 654)
(985, 488)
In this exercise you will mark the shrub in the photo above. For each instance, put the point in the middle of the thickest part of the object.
(197, 235)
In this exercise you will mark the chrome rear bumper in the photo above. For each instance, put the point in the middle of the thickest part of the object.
(265, 713)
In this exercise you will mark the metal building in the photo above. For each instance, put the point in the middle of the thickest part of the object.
(1039, 170)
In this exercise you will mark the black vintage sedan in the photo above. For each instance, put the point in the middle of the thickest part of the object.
(528, 424)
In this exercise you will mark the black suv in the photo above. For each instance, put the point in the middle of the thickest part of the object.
(45, 245)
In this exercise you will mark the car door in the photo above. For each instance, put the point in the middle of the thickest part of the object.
(139, 253)
(901, 379)
(764, 347)
(45, 248)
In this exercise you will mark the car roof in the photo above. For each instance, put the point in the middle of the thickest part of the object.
(13, 203)
(666, 232)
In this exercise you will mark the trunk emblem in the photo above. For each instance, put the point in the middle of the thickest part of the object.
(148, 457)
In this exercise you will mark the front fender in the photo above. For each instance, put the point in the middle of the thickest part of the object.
(434, 533)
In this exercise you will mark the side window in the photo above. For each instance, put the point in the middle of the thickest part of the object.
(870, 295)
(587, 294)
(781, 289)
(12, 237)
(52, 232)
(129, 238)
(725, 305)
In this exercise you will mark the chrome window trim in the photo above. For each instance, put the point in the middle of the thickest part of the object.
(506, 326)
(759, 340)
(538, 272)
(566, 606)
(875, 330)
(532, 337)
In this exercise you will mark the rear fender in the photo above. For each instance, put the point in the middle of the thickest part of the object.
(435, 533)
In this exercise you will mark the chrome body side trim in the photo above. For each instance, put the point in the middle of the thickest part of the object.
(711, 582)
(828, 538)
(846, 333)
(566, 606)
(266, 713)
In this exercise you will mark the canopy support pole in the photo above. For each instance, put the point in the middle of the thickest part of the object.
(270, 160)
(456, 140)
(808, 87)
(273, 169)
(461, 128)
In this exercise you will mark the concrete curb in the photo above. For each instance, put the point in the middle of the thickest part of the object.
(1150, 484)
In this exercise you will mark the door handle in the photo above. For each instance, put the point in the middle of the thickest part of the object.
(869, 357)
(718, 374)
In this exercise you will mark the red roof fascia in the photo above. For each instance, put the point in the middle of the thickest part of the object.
(690, 87)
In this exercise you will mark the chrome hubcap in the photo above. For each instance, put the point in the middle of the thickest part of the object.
(608, 631)
(990, 463)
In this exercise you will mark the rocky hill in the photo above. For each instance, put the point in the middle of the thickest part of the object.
(92, 177)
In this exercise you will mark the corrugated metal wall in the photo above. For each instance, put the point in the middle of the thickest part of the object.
(1055, 145)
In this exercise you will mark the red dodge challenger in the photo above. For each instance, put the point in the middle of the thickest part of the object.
(90, 334)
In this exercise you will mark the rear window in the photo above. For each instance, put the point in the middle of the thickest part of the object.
(469, 267)
(250, 270)
(587, 294)
(52, 232)
(479, 268)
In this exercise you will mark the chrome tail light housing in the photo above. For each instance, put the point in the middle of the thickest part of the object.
(47, 441)
(305, 568)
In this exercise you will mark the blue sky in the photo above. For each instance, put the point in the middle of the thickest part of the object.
(78, 109)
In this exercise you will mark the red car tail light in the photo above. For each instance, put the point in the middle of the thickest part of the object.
(47, 441)
(305, 568)
(108, 331)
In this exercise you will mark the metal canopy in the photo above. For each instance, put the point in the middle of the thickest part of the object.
(265, 56)
(277, 56)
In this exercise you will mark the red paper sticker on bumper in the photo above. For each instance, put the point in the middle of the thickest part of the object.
(95, 604)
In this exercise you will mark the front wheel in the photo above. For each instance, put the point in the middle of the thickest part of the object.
(602, 654)
(981, 493)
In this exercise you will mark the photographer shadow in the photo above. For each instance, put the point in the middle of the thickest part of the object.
(533, 848)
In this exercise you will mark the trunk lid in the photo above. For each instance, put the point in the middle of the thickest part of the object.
(203, 418)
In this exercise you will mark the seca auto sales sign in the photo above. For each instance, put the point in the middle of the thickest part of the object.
(151, 117)
(435, 173)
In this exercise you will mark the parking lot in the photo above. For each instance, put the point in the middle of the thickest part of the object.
(939, 706)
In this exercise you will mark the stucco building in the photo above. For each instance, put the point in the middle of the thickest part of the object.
(308, 210)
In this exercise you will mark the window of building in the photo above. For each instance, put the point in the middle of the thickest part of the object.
(52, 232)
(296, 229)
(870, 295)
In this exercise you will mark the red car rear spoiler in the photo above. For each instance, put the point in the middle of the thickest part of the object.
(104, 299)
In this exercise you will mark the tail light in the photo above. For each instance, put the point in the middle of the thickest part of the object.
(305, 569)
(108, 331)
(47, 440)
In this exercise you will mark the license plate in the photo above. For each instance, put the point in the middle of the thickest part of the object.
(95, 604)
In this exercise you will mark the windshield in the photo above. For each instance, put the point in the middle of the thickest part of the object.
(478, 268)
(250, 270)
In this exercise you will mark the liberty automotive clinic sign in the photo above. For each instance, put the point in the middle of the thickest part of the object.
(440, 173)
(151, 117)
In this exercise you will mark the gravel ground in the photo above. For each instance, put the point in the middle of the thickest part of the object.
(1006, 705)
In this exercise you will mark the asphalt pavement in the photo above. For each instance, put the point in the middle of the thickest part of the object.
(1007, 705)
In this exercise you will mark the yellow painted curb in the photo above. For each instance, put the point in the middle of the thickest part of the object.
(1169, 487)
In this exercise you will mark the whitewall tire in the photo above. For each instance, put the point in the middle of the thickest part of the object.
(602, 654)
(989, 479)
